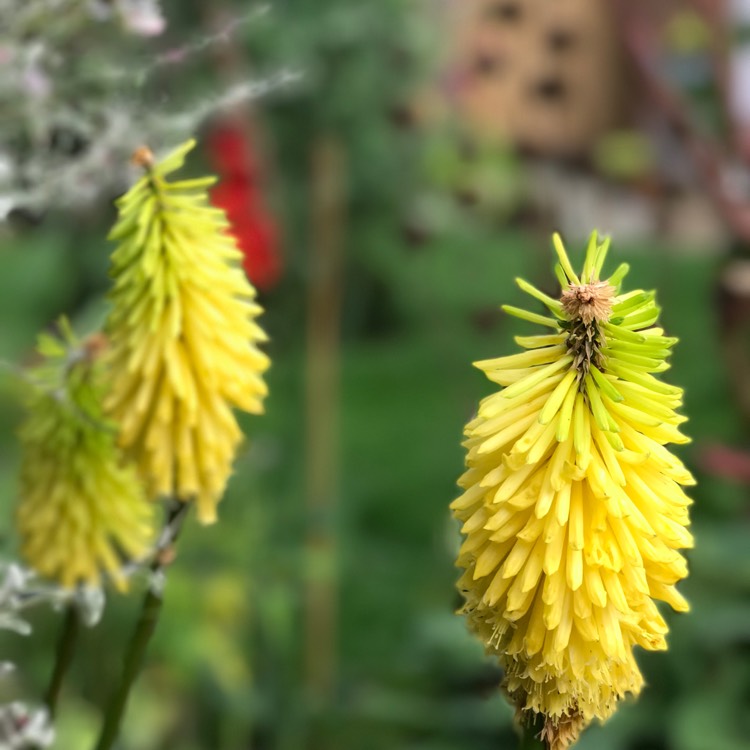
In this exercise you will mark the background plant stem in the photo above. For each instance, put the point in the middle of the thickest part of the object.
(66, 646)
(144, 630)
(328, 167)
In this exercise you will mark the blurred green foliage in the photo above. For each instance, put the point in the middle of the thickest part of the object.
(226, 666)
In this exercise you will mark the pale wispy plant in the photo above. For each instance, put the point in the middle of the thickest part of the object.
(70, 120)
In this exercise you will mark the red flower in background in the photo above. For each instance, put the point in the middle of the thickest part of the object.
(239, 193)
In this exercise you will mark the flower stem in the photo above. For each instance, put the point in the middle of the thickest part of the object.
(66, 646)
(144, 630)
(530, 739)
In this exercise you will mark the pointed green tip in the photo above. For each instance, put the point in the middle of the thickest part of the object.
(175, 158)
(562, 256)
(589, 264)
(620, 272)
(592, 246)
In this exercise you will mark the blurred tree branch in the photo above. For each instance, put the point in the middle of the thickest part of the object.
(711, 162)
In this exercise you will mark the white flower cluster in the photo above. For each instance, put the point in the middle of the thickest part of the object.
(13, 592)
(19, 591)
(23, 728)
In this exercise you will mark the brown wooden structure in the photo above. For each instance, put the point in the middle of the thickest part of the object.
(545, 74)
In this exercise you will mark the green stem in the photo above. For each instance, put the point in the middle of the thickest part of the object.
(66, 645)
(530, 737)
(133, 662)
(144, 630)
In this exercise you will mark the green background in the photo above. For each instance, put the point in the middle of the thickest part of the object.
(227, 666)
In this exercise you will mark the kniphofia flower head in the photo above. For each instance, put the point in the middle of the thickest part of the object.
(82, 512)
(183, 336)
(573, 511)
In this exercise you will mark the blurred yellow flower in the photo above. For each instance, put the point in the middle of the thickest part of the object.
(183, 336)
(572, 510)
(82, 512)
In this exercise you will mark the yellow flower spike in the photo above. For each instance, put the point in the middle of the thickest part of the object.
(183, 336)
(82, 512)
(572, 509)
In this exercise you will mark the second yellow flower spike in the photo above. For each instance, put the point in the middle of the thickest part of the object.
(83, 513)
(183, 336)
